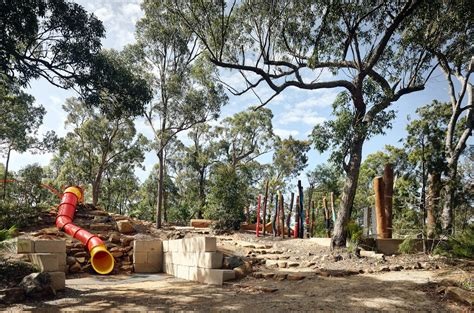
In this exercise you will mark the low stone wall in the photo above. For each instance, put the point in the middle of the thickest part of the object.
(195, 259)
(48, 256)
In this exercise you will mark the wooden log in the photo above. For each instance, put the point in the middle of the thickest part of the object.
(288, 219)
(301, 227)
(257, 229)
(313, 218)
(282, 216)
(265, 200)
(275, 218)
(379, 207)
(297, 218)
(388, 197)
(200, 223)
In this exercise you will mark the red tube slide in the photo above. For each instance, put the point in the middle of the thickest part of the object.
(101, 259)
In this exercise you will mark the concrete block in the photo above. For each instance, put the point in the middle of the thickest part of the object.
(58, 280)
(204, 260)
(182, 271)
(146, 268)
(154, 258)
(46, 262)
(165, 246)
(24, 245)
(196, 244)
(155, 245)
(140, 257)
(214, 276)
(50, 246)
(61, 258)
(200, 244)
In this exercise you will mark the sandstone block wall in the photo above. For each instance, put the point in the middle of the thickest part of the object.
(48, 256)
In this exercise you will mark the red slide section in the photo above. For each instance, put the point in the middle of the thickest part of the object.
(101, 259)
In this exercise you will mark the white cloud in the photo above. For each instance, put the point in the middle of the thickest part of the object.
(104, 14)
(300, 116)
(285, 133)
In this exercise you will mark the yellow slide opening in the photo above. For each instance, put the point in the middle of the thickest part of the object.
(101, 259)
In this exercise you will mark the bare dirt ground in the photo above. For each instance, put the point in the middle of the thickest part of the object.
(288, 274)
(393, 291)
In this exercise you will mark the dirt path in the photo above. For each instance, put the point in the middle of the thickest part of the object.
(393, 291)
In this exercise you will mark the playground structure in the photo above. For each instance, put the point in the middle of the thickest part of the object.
(101, 259)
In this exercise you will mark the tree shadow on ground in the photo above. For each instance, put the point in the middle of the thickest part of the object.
(359, 293)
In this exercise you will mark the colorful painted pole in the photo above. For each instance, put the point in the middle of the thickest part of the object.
(302, 217)
(288, 219)
(275, 217)
(313, 218)
(297, 218)
(257, 230)
(282, 216)
(265, 200)
(388, 195)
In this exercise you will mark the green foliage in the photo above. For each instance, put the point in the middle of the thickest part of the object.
(57, 40)
(354, 231)
(245, 136)
(7, 233)
(407, 246)
(97, 146)
(326, 178)
(460, 245)
(226, 198)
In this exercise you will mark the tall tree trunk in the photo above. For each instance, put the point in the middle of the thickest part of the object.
(348, 194)
(165, 206)
(5, 174)
(159, 201)
(96, 188)
(448, 205)
(434, 189)
(202, 193)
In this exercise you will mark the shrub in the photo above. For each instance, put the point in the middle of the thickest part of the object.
(460, 245)
(227, 198)
(354, 231)
(407, 246)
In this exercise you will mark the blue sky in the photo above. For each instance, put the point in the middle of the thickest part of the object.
(295, 111)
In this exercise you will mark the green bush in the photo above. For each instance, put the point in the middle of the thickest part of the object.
(407, 246)
(354, 231)
(7, 233)
(460, 245)
(227, 198)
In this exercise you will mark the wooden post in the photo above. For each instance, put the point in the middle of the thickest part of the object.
(282, 216)
(301, 227)
(288, 219)
(379, 207)
(275, 217)
(388, 196)
(265, 200)
(297, 218)
(308, 212)
(333, 212)
(257, 230)
(326, 217)
(313, 218)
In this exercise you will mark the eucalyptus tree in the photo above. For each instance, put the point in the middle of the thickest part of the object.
(97, 145)
(20, 120)
(56, 40)
(289, 160)
(245, 136)
(285, 44)
(185, 92)
(424, 146)
(448, 34)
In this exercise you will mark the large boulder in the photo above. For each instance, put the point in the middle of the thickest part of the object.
(231, 262)
(125, 227)
(38, 286)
